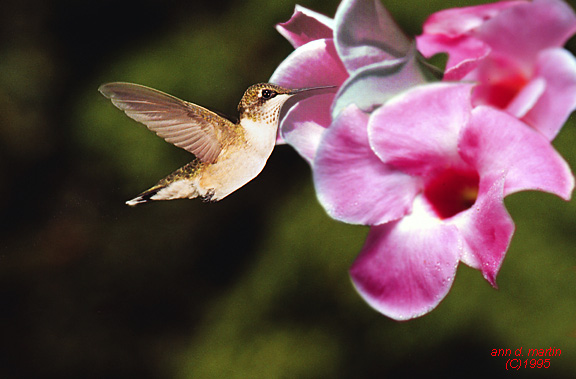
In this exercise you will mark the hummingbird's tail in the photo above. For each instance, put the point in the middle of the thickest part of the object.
(178, 185)
(145, 196)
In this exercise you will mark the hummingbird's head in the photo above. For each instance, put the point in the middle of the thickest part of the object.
(262, 102)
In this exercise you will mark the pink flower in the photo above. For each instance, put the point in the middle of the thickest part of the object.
(514, 51)
(376, 62)
(430, 174)
(314, 63)
(420, 161)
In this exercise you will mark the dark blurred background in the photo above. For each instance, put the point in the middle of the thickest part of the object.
(253, 286)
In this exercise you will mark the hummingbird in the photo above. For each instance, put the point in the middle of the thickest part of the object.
(228, 154)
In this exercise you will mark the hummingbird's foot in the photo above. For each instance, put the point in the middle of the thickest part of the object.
(209, 196)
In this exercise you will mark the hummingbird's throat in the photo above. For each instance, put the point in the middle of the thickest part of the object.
(267, 112)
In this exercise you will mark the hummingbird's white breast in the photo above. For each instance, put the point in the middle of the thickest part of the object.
(239, 162)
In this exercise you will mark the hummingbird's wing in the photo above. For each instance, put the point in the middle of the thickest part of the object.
(186, 125)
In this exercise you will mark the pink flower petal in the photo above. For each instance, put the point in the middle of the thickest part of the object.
(557, 67)
(305, 122)
(352, 184)
(406, 267)
(451, 31)
(305, 26)
(464, 53)
(496, 143)
(529, 28)
(417, 131)
(527, 98)
(365, 33)
(457, 21)
(314, 64)
(486, 229)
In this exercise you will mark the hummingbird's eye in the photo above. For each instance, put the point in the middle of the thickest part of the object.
(267, 94)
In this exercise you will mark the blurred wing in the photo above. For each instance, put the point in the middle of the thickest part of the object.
(188, 126)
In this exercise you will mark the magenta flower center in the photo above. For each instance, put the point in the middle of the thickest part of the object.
(501, 92)
(452, 191)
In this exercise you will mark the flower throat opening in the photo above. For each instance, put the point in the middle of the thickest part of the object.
(452, 191)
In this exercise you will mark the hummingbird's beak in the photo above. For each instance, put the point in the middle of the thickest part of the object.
(296, 91)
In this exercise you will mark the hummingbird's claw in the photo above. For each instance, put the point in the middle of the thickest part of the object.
(209, 195)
